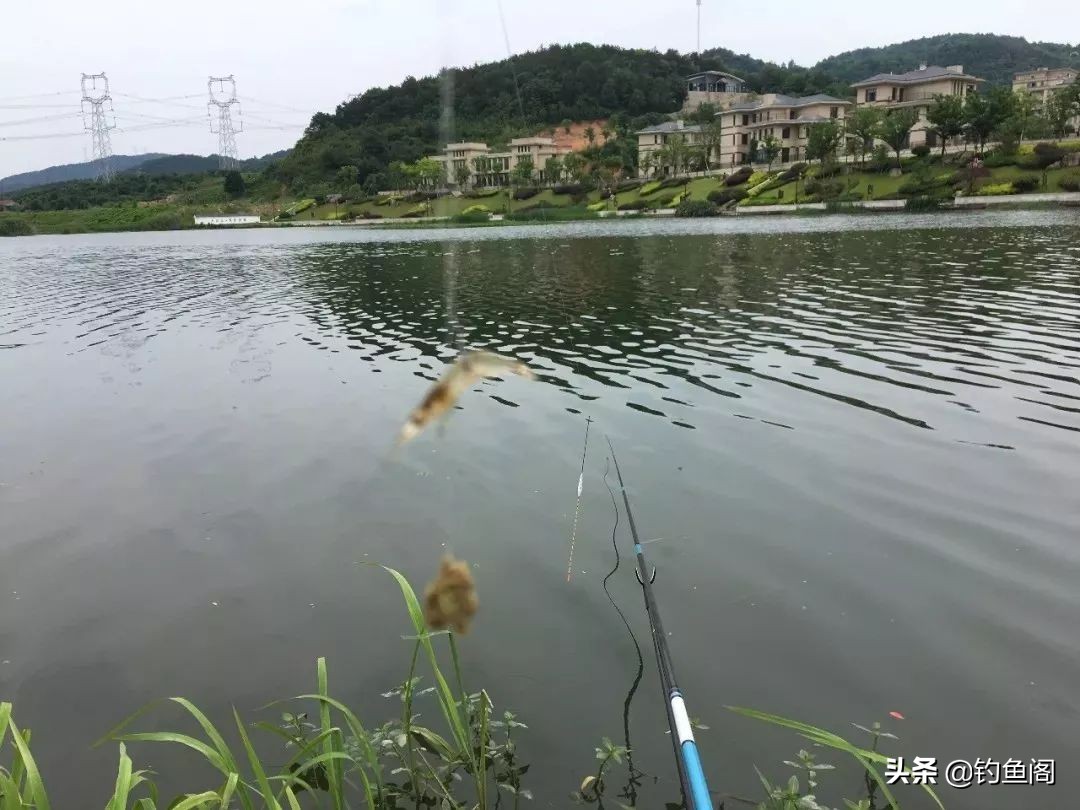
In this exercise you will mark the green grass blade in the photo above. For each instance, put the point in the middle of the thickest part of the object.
(144, 804)
(293, 803)
(34, 787)
(197, 800)
(119, 800)
(370, 755)
(870, 769)
(211, 733)
(934, 796)
(333, 742)
(256, 766)
(5, 716)
(9, 793)
(229, 789)
(208, 753)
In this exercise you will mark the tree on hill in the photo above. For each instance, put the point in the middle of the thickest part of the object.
(984, 113)
(574, 167)
(769, 148)
(554, 169)
(461, 173)
(862, 128)
(946, 118)
(1062, 106)
(590, 135)
(896, 129)
(522, 173)
(823, 140)
(234, 184)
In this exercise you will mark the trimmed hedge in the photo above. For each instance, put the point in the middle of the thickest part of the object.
(627, 185)
(600, 205)
(696, 208)
(739, 177)
(525, 192)
(1070, 181)
(480, 193)
(649, 188)
(722, 196)
(1025, 185)
(572, 188)
(792, 172)
(920, 151)
(634, 205)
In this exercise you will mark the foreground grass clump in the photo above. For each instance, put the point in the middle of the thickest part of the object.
(333, 760)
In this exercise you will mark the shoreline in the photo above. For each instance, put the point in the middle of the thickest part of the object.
(1009, 202)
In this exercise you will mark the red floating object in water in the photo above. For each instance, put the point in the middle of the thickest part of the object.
(897, 715)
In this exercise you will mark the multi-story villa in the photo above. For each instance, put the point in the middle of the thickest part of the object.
(1041, 82)
(488, 168)
(743, 125)
(916, 89)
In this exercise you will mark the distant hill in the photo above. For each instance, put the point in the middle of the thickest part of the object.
(990, 56)
(72, 171)
(541, 89)
(152, 163)
(198, 164)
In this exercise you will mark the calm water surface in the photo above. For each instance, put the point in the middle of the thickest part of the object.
(858, 441)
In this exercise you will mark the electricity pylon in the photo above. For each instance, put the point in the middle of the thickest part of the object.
(222, 90)
(97, 113)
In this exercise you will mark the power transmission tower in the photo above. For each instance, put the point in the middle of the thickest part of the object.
(97, 113)
(223, 99)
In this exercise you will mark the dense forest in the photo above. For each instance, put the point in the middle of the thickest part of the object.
(990, 56)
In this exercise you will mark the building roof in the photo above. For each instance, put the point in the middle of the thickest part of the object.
(669, 126)
(715, 73)
(922, 74)
(781, 100)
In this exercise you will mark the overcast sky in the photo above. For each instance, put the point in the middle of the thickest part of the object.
(293, 58)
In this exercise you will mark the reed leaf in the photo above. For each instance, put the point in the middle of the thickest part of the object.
(33, 789)
(197, 800)
(256, 766)
(119, 800)
(333, 742)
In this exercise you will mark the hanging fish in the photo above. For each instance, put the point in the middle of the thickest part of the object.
(466, 371)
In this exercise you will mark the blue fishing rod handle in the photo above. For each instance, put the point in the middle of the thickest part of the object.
(699, 790)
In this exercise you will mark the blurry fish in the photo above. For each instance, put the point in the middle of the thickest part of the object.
(466, 371)
(450, 599)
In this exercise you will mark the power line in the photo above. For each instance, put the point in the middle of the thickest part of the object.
(36, 106)
(22, 121)
(40, 95)
(95, 95)
(42, 136)
(223, 99)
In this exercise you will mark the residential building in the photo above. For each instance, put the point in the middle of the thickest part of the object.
(743, 125)
(916, 89)
(489, 168)
(1041, 82)
(713, 87)
(786, 118)
(651, 140)
(8, 205)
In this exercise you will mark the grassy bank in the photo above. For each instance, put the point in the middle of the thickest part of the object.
(928, 176)
(460, 754)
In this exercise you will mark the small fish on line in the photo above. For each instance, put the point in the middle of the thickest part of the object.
(469, 368)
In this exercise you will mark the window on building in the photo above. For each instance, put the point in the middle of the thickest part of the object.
(793, 115)
(656, 139)
(745, 138)
(785, 132)
(746, 120)
(893, 94)
(834, 112)
(870, 95)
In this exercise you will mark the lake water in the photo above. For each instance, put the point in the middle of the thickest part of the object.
(857, 440)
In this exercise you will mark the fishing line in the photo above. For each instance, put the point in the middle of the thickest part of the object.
(577, 506)
(630, 792)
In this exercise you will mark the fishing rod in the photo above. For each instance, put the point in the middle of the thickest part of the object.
(691, 775)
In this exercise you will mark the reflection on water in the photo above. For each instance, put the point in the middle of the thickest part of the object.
(853, 441)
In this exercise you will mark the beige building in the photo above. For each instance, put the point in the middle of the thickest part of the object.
(652, 140)
(1041, 82)
(713, 87)
(916, 89)
(743, 125)
(488, 168)
(786, 118)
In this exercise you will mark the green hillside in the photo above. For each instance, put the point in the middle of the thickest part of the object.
(991, 56)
